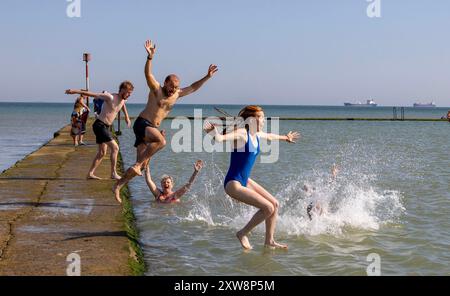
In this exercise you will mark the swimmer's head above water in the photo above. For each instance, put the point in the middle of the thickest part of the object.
(308, 189)
(167, 183)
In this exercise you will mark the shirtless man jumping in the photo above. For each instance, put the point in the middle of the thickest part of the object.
(113, 103)
(161, 100)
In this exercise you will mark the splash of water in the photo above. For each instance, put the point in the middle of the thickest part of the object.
(346, 206)
(350, 201)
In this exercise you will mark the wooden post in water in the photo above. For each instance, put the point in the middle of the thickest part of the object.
(394, 113)
(402, 110)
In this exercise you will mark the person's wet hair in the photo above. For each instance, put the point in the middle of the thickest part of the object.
(164, 177)
(246, 112)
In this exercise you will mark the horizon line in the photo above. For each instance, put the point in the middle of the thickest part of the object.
(221, 104)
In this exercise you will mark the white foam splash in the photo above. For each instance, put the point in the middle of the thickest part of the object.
(348, 206)
(352, 201)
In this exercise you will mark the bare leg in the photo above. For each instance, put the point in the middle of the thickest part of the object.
(271, 221)
(139, 150)
(250, 197)
(102, 149)
(155, 141)
(75, 142)
(133, 171)
(146, 154)
(114, 152)
(139, 155)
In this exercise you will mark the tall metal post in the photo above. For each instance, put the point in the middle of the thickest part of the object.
(86, 59)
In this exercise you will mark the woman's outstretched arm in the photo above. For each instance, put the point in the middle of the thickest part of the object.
(290, 137)
(238, 134)
(186, 187)
(151, 185)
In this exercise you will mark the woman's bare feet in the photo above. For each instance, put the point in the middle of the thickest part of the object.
(93, 177)
(115, 176)
(116, 190)
(243, 239)
(275, 245)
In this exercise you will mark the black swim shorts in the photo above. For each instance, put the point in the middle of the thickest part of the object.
(139, 130)
(102, 132)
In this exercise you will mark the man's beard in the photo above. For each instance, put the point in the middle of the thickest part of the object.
(166, 92)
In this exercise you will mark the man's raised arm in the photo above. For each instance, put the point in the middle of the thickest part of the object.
(85, 93)
(152, 83)
(196, 85)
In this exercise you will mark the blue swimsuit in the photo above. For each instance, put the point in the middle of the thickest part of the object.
(241, 162)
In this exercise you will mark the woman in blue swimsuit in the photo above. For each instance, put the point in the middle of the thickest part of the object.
(238, 184)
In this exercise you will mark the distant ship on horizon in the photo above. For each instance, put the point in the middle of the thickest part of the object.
(424, 105)
(369, 103)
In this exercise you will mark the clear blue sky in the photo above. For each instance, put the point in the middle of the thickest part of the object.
(320, 52)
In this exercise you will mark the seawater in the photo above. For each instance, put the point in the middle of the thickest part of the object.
(391, 195)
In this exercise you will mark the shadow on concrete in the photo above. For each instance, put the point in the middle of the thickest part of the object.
(47, 179)
(81, 235)
(53, 205)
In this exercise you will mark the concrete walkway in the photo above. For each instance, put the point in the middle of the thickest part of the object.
(49, 210)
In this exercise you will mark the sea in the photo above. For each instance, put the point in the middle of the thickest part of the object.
(387, 211)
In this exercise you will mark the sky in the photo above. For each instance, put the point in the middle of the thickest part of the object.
(315, 52)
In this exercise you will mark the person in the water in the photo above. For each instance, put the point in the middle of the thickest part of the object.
(166, 193)
(237, 182)
(317, 208)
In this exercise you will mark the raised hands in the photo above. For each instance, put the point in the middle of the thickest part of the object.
(208, 127)
(150, 47)
(334, 171)
(292, 136)
(211, 70)
(198, 165)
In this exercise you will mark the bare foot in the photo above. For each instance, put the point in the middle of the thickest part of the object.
(275, 245)
(93, 177)
(136, 170)
(243, 239)
(115, 177)
(116, 190)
